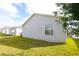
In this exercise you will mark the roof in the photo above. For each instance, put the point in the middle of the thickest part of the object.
(38, 14)
(9, 27)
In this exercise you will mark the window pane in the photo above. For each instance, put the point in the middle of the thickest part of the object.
(48, 30)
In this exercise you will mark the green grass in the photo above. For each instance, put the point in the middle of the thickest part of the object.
(3, 34)
(19, 46)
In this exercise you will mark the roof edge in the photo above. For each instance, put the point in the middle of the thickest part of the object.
(28, 19)
(38, 14)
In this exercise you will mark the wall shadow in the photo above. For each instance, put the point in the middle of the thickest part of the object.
(25, 43)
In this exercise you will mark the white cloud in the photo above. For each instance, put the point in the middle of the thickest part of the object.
(33, 6)
(6, 12)
(6, 21)
(41, 6)
(8, 7)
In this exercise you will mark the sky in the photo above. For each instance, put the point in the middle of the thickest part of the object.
(15, 14)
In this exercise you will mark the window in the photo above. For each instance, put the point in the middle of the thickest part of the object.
(48, 29)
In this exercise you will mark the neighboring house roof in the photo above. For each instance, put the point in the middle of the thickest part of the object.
(38, 14)
(6, 27)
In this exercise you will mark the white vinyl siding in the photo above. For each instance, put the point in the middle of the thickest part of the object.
(35, 28)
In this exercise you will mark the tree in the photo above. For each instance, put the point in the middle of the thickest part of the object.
(64, 15)
(70, 11)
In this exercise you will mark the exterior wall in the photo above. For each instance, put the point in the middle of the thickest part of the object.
(5, 30)
(18, 31)
(15, 31)
(12, 30)
(35, 28)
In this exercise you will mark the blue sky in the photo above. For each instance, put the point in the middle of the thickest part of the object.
(21, 7)
(15, 14)
(10, 18)
(22, 11)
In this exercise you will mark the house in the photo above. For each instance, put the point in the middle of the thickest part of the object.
(4, 30)
(11, 30)
(44, 27)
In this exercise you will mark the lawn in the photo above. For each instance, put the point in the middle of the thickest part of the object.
(3, 34)
(19, 46)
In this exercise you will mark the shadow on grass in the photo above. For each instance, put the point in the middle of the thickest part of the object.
(76, 42)
(25, 43)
